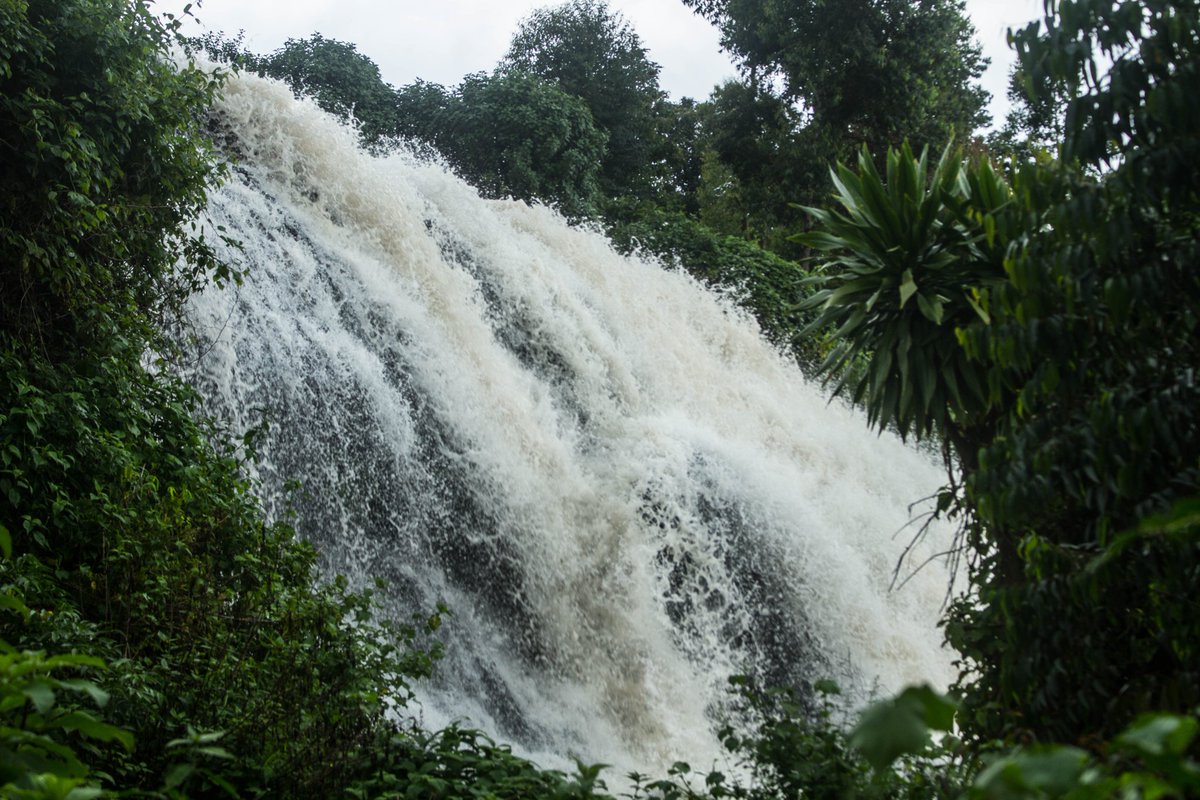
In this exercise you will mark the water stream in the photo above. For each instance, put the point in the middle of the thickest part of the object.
(622, 493)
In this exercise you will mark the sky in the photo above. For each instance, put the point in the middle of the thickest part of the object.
(443, 40)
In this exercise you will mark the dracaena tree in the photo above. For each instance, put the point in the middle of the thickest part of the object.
(1045, 326)
(907, 256)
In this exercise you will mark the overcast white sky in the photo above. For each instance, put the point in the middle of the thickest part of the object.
(443, 40)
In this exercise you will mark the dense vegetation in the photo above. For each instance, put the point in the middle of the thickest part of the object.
(1044, 326)
(1038, 318)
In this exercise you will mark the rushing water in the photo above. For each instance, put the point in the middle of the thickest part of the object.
(623, 494)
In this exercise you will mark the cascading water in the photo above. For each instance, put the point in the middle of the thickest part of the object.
(622, 493)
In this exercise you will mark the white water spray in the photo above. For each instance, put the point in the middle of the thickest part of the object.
(623, 494)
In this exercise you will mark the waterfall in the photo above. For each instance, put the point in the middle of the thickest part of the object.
(623, 494)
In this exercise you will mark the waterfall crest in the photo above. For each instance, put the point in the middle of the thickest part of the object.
(622, 493)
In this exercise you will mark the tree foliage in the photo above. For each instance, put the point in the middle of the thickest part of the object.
(342, 80)
(822, 78)
(595, 55)
(512, 134)
(760, 152)
(678, 167)
(908, 255)
(894, 70)
(1046, 326)
(101, 167)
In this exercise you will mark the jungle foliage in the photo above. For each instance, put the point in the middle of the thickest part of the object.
(895, 71)
(96, 188)
(340, 79)
(594, 54)
(159, 639)
(1043, 324)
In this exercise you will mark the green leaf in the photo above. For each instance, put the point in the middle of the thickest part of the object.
(41, 694)
(90, 726)
(1184, 515)
(978, 309)
(98, 695)
(932, 310)
(1160, 734)
(1037, 772)
(901, 726)
(74, 660)
(908, 287)
(13, 603)
(221, 782)
(214, 752)
(177, 774)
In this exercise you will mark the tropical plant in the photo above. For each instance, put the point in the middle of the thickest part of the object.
(38, 715)
(759, 152)
(1046, 328)
(904, 261)
(895, 71)
(680, 134)
(103, 168)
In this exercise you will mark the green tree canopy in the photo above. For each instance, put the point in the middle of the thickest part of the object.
(765, 155)
(511, 134)
(679, 167)
(595, 55)
(419, 110)
(342, 80)
(869, 71)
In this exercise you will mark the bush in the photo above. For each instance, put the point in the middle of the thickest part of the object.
(104, 167)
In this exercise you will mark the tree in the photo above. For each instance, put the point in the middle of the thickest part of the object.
(226, 49)
(342, 80)
(847, 73)
(680, 135)
(1046, 327)
(1035, 120)
(595, 55)
(512, 134)
(870, 71)
(420, 108)
(766, 152)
